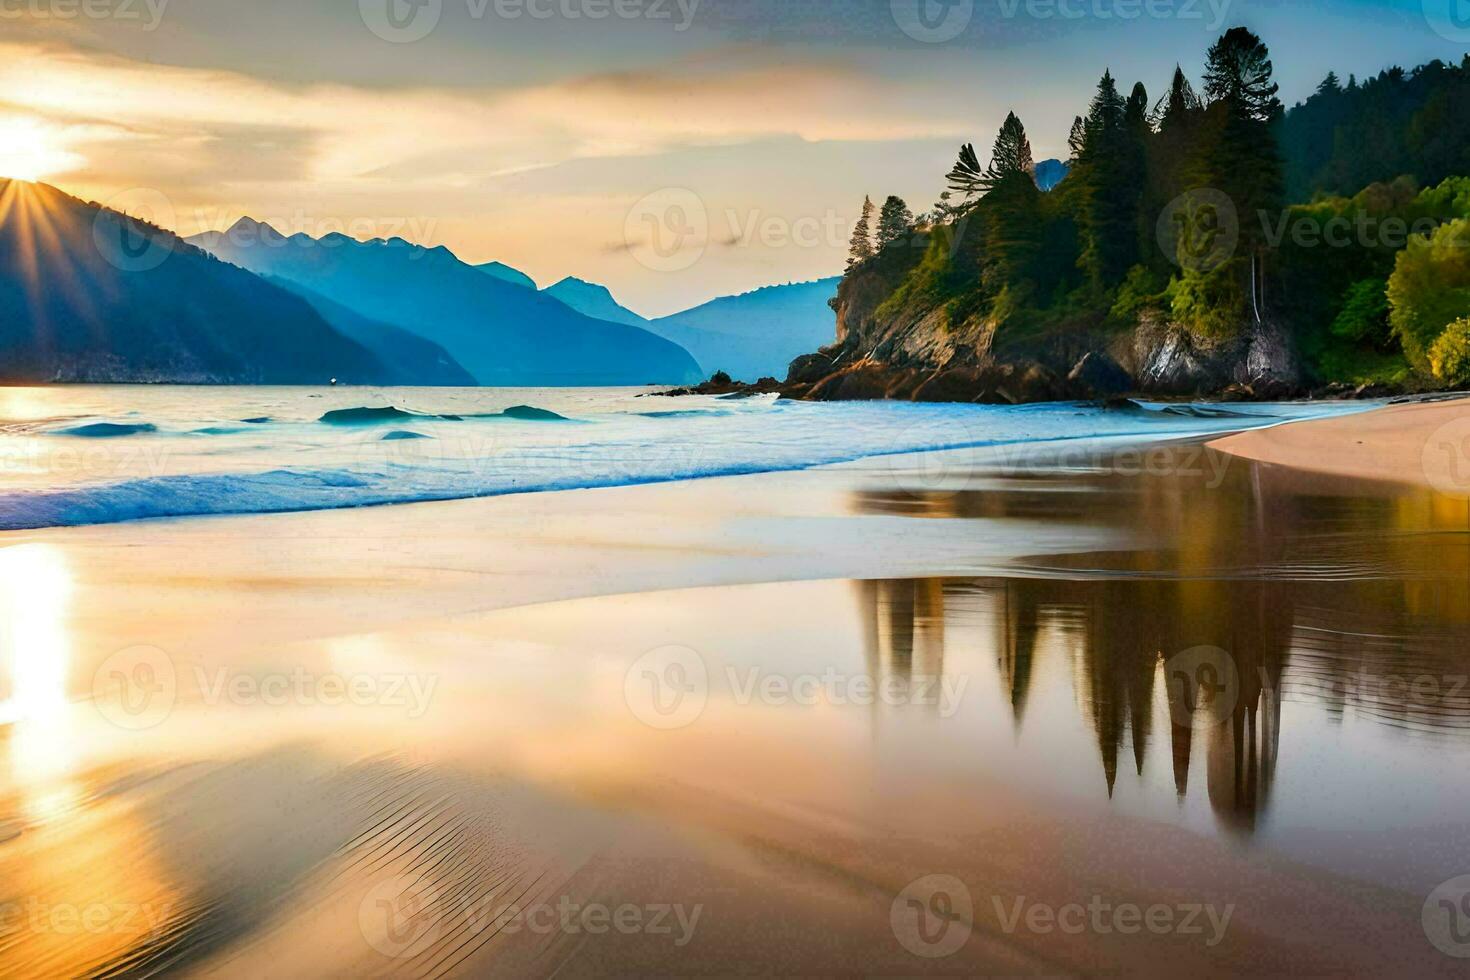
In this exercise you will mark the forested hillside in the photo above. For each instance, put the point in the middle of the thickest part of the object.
(1204, 239)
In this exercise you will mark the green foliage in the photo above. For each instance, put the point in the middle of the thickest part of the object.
(860, 249)
(894, 221)
(1363, 318)
(945, 273)
(1344, 138)
(1209, 302)
(1367, 283)
(1141, 290)
(1357, 366)
(1430, 288)
(1449, 358)
(1107, 185)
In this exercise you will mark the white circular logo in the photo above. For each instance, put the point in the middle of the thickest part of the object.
(127, 233)
(136, 688)
(401, 917)
(1201, 680)
(1446, 457)
(1199, 229)
(401, 21)
(667, 688)
(1450, 19)
(932, 21)
(668, 230)
(933, 916)
(1446, 917)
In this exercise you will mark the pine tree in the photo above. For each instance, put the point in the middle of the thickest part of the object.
(861, 248)
(1180, 106)
(1076, 139)
(1238, 73)
(967, 178)
(894, 221)
(1237, 148)
(1011, 153)
(1108, 188)
(1011, 211)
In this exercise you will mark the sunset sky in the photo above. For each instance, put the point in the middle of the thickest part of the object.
(529, 131)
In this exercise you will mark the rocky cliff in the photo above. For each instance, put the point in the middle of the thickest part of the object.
(897, 342)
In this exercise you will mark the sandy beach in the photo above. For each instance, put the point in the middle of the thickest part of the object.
(1422, 444)
(860, 719)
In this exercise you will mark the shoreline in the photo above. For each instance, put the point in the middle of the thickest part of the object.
(502, 732)
(1423, 444)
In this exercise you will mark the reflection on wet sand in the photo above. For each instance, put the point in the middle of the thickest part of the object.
(1271, 586)
(1268, 657)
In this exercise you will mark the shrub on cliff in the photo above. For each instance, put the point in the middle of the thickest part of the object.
(1430, 289)
(1449, 358)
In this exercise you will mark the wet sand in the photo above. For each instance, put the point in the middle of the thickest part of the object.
(1140, 709)
(1424, 444)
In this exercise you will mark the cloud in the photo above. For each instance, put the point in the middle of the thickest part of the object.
(243, 129)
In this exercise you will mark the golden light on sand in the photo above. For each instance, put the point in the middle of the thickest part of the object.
(35, 656)
(34, 652)
(32, 150)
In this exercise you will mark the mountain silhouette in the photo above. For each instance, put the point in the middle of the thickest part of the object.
(503, 334)
(91, 295)
(750, 336)
(595, 301)
(504, 272)
(759, 333)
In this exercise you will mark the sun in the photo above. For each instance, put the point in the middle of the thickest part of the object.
(31, 150)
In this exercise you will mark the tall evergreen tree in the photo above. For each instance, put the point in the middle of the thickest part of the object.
(1179, 107)
(1238, 152)
(1076, 139)
(861, 247)
(1108, 187)
(1238, 73)
(1011, 153)
(1011, 211)
(894, 221)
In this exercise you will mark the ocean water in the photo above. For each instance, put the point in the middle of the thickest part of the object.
(103, 454)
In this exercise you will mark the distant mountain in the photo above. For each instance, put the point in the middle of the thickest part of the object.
(503, 334)
(91, 295)
(750, 336)
(1050, 173)
(504, 272)
(594, 300)
(421, 361)
(756, 334)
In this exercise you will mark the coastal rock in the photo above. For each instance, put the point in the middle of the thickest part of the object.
(865, 381)
(811, 368)
(1098, 375)
(958, 385)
